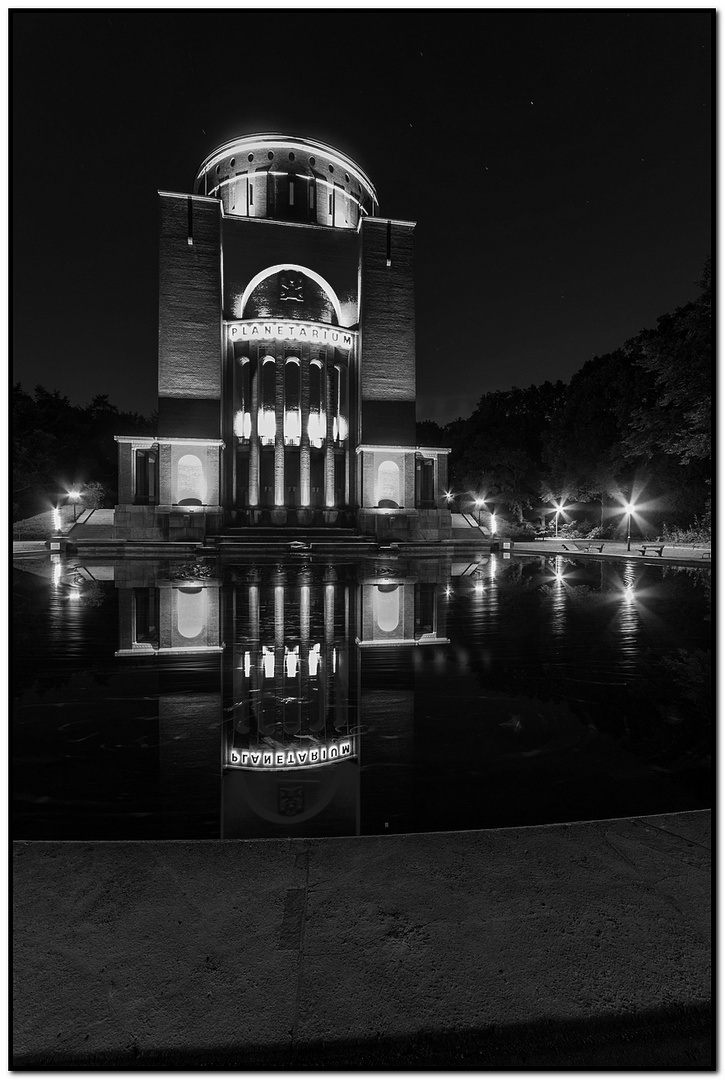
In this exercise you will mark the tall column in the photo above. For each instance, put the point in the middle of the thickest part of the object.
(254, 434)
(305, 648)
(279, 498)
(329, 455)
(279, 670)
(305, 440)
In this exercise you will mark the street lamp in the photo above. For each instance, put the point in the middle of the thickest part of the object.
(74, 496)
(629, 508)
(559, 507)
(479, 504)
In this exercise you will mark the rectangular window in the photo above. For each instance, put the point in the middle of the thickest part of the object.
(291, 192)
(251, 193)
(146, 490)
(146, 616)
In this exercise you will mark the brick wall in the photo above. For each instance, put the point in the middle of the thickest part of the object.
(387, 332)
(189, 301)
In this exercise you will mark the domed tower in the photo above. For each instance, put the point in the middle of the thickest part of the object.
(286, 356)
(287, 179)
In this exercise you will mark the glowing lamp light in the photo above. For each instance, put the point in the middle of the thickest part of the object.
(493, 524)
(559, 507)
(74, 496)
(448, 591)
(629, 510)
(449, 496)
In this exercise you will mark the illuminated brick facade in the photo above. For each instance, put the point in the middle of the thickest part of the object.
(286, 357)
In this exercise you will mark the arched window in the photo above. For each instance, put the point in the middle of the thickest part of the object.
(191, 612)
(190, 481)
(292, 411)
(387, 486)
(316, 424)
(243, 414)
(386, 607)
(266, 421)
(339, 403)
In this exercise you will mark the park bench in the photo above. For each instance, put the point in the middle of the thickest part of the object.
(644, 548)
(584, 545)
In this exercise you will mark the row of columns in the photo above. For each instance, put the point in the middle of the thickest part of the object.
(304, 446)
(269, 698)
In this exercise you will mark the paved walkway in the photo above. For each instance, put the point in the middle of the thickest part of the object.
(613, 549)
(583, 945)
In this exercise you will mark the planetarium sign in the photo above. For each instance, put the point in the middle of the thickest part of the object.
(292, 758)
(277, 330)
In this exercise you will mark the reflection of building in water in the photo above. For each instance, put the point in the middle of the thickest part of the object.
(290, 731)
(297, 702)
(286, 383)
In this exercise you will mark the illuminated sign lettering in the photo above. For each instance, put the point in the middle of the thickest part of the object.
(315, 333)
(321, 754)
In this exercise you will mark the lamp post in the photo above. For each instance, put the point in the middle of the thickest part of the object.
(479, 504)
(74, 496)
(629, 508)
(559, 507)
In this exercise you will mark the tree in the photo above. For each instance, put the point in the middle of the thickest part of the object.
(583, 453)
(92, 495)
(497, 452)
(676, 417)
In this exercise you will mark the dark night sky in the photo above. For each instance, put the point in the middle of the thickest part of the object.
(557, 163)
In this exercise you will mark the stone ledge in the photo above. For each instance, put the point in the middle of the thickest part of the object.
(190, 953)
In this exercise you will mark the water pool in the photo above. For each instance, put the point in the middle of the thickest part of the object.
(185, 700)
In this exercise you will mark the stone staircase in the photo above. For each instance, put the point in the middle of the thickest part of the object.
(295, 541)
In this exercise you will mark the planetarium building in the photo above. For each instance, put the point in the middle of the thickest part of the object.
(286, 364)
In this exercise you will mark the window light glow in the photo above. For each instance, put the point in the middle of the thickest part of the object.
(293, 425)
(56, 519)
(291, 657)
(247, 664)
(317, 428)
(313, 659)
(266, 425)
(242, 424)
(268, 662)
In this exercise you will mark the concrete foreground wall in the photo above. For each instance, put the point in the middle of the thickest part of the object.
(584, 945)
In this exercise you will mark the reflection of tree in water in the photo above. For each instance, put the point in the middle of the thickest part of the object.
(93, 595)
(659, 709)
(673, 715)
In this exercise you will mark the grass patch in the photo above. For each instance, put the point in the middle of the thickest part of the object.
(41, 526)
